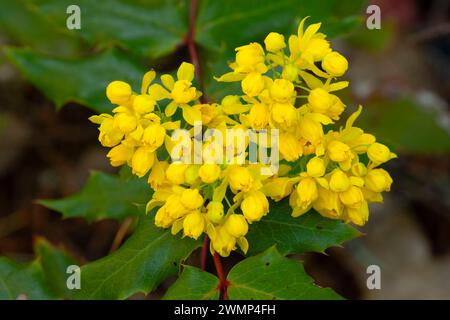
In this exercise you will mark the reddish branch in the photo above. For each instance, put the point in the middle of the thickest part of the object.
(192, 47)
(223, 282)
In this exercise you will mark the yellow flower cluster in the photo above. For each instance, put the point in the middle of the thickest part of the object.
(288, 87)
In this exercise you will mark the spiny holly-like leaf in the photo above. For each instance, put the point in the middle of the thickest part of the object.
(148, 257)
(25, 26)
(22, 281)
(54, 265)
(43, 278)
(148, 28)
(104, 196)
(194, 284)
(310, 232)
(81, 80)
(270, 276)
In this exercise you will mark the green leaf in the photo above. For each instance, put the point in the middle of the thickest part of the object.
(22, 280)
(43, 278)
(104, 196)
(405, 126)
(270, 276)
(54, 265)
(194, 284)
(148, 28)
(310, 232)
(24, 25)
(81, 80)
(148, 257)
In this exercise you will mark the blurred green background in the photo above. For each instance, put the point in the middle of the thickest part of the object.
(52, 79)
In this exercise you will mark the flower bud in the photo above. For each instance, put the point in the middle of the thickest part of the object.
(335, 64)
(379, 153)
(320, 100)
(120, 155)
(352, 197)
(254, 206)
(240, 178)
(315, 167)
(378, 180)
(153, 136)
(274, 42)
(282, 90)
(307, 192)
(191, 199)
(175, 172)
(338, 151)
(258, 116)
(118, 92)
(236, 225)
(125, 122)
(142, 161)
(215, 211)
(339, 181)
(193, 225)
(253, 84)
(209, 172)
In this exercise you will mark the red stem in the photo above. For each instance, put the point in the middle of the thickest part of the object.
(204, 253)
(192, 47)
(223, 282)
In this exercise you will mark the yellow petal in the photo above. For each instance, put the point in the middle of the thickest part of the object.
(146, 80)
(191, 115)
(311, 81)
(337, 86)
(167, 81)
(230, 77)
(186, 72)
(157, 92)
(171, 108)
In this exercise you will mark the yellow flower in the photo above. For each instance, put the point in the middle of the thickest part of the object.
(125, 122)
(315, 167)
(307, 192)
(236, 225)
(222, 242)
(193, 225)
(320, 100)
(174, 207)
(258, 116)
(142, 161)
(175, 172)
(143, 104)
(253, 84)
(157, 178)
(215, 211)
(240, 178)
(254, 206)
(360, 215)
(335, 64)
(120, 155)
(153, 136)
(328, 204)
(209, 172)
(290, 146)
(181, 91)
(282, 91)
(378, 180)
(284, 115)
(339, 181)
(250, 58)
(162, 218)
(191, 199)
(352, 197)
(278, 188)
(274, 42)
(339, 151)
(379, 153)
(118, 92)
